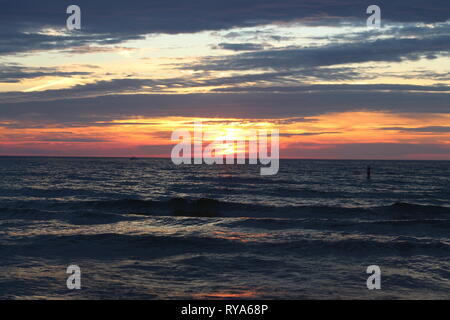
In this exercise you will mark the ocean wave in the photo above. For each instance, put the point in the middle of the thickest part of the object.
(205, 207)
(159, 245)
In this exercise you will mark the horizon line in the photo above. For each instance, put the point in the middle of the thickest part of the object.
(168, 158)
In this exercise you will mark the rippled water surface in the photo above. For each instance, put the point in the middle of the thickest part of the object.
(148, 229)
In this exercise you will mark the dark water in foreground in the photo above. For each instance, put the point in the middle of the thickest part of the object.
(150, 230)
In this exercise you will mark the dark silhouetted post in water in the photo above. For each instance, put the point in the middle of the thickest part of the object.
(369, 169)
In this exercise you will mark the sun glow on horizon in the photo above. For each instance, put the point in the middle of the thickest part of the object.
(299, 137)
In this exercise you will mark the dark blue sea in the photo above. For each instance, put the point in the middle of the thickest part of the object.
(147, 229)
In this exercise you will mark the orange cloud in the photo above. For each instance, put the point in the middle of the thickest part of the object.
(298, 137)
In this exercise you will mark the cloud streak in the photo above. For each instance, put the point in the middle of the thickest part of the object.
(13, 73)
(381, 50)
(114, 22)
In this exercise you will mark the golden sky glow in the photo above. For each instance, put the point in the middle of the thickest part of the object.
(242, 62)
(138, 136)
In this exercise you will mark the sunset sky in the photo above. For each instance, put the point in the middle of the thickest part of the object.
(138, 70)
